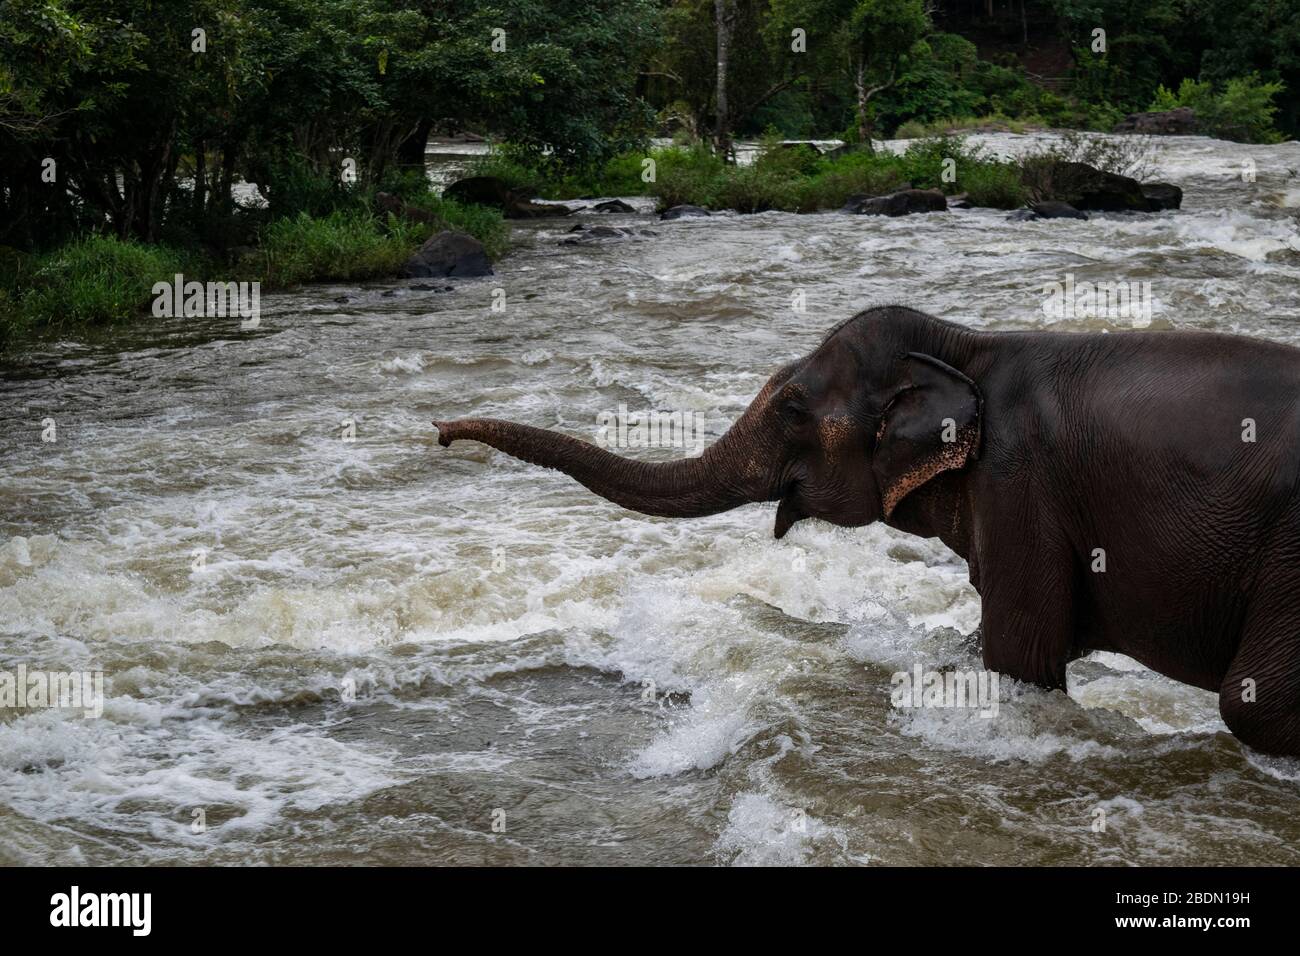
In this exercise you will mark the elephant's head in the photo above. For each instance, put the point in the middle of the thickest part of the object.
(842, 435)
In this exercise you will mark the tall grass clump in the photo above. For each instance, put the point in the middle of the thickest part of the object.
(93, 280)
(341, 246)
(985, 179)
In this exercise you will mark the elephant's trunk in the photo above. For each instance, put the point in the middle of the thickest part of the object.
(728, 474)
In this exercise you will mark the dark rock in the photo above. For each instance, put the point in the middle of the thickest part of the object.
(905, 202)
(1084, 187)
(424, 287)
(1054, 209)
(1162, 196)
(481, 191)
(490, 191)
(1176, 122)
(612, 205)
(1048, 209)
(342, 299)
(596, 234)
(387, 204)
(390, 294)
(959, 201)
(602, 234)
(686, 211)
(449, 253)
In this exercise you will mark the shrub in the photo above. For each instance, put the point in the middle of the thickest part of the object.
(869, 174)
(1131, 156)
(1242, 111)
(994, 185)
(94, 280)
(342, 245)
(483, 223)
(688, 176)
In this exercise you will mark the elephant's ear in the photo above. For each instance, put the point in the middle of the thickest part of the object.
(931, 425)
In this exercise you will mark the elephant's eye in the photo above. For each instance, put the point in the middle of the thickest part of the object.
(795, 412)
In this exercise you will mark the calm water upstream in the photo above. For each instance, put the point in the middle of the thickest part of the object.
(611, 688)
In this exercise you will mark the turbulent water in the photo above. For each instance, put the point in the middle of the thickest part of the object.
(378, 650)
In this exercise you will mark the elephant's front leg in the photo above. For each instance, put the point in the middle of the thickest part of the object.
(1027, 589)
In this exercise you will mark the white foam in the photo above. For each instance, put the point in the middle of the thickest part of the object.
(762, 832)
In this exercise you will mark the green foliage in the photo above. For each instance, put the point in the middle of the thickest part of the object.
(340, 246)
(689, 176)
(484, 224)
(1045, 177)
(93, 280)
(853, 174)
(101, 279)
(986, 181)
(1242, 111)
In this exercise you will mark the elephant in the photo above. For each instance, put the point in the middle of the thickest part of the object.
(1133, 492)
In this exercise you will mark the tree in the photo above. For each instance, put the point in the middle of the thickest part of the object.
(867, 41)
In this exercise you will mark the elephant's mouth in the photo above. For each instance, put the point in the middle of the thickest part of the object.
(788, 511)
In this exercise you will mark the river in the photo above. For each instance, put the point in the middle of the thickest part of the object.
(325, 645)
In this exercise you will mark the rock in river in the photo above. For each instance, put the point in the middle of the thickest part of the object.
(685, 211)
(490, 191)
(905, 202)
(449, 253)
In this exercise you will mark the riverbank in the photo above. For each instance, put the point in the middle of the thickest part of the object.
(100, 280)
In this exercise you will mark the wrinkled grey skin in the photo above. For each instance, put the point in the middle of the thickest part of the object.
(1026, 453)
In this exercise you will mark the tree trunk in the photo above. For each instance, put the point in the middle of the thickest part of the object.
(724, 14)
(410, 151)
(200, 178)
(226, 179)
(864, 125)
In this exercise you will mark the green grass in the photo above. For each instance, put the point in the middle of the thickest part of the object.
(914, 129)
(94, 280)
(791, 180)
(348, 245)
(97, 280)
(339, 246)
(484, 224)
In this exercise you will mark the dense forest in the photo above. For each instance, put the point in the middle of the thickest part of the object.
(136, 119)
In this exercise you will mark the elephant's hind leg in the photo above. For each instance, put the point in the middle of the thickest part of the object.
(1260, 696)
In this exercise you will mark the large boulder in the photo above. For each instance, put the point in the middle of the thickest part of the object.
(490, 191)
(612, 205)
(905, 202)
(1084, 187)
(448, 253)
(684, 211)
(1176, 122)
(1162, 196)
